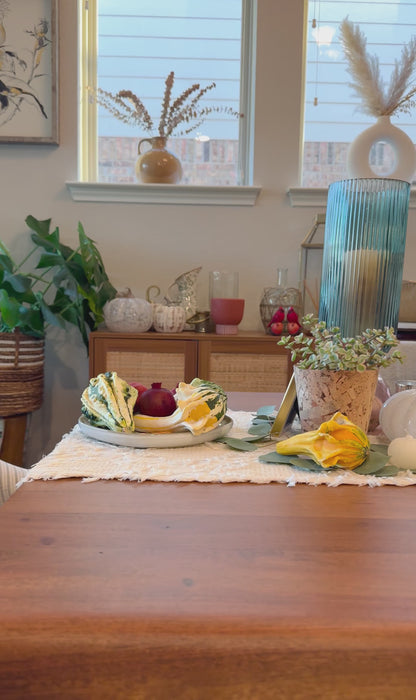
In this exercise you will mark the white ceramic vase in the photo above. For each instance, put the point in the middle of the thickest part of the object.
(383, 130)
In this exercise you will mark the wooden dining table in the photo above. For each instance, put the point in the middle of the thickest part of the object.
(207, 591)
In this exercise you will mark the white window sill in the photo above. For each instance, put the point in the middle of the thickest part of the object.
(317, 197)
(163, 194)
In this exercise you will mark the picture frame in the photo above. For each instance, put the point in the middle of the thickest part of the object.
(287, 409)
(29, 71)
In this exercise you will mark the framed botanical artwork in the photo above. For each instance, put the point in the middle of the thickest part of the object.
(28, 71)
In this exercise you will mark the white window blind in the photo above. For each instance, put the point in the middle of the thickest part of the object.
(332, 118)
(138, 43)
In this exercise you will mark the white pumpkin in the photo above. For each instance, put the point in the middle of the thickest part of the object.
(128, 315)
(398, 415)
(168, 319)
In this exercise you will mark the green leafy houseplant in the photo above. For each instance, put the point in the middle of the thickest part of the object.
(64, 286)
(320, 347)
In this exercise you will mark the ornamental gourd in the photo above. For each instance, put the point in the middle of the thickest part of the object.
(168, 319)
(398, 415)
(108, 402)
(128, 314)
(201, 405)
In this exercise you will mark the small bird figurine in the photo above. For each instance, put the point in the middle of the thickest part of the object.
(278, 316)
(292, 316)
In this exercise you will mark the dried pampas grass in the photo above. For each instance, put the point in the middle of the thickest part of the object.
(377, 99)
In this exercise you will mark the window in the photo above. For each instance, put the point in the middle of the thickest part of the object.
(135, 44)
(332, 119)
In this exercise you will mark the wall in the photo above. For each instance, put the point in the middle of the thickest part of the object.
(147, 244)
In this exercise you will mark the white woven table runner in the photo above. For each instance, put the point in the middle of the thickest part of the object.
(82, 457)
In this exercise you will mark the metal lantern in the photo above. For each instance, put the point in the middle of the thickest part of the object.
(310, 272)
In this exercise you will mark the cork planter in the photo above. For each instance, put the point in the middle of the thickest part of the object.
(322, 392)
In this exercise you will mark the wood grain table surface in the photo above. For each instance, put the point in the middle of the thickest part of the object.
(207, 591)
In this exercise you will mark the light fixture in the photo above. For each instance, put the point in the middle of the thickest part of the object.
(323, 35)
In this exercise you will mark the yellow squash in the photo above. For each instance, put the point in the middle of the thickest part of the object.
(337, 442)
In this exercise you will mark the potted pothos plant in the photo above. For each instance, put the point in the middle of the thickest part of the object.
(53, 285)
(333, 373)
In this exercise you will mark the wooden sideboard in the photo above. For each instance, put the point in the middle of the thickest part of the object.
(248, 361)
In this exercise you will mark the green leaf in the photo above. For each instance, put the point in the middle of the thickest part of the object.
(236, 444)
(266, 411)
(388, 470)
(6, 262)
(262, 420)
(40, 227)
(373, 464)
(379, 448)
(9, 310)
(49, 316)
(261, 430)
(307, 464)
(49, 260)
(273, 458)
(19, 283)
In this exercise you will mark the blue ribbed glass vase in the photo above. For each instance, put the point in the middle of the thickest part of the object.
(362, 269)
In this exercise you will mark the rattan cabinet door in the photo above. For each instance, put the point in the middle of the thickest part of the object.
(244, 363)
(144, 358)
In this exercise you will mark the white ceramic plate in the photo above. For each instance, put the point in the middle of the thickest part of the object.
(184, 438)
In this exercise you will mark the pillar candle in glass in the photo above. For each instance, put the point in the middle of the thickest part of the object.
(226, 307)
(362, 269)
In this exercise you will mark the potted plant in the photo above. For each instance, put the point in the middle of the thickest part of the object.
(333, 373)
(64, 286)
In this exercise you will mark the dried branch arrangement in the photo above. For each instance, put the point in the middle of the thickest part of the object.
(183, 110)
(377, 98)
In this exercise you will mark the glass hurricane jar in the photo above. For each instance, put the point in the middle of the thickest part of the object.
(281, 296)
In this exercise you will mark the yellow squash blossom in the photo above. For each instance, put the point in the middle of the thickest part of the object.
(338, 442)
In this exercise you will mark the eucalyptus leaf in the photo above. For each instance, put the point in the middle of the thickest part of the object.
(388, 470)
(273, 458)
(307, 464)
(373, 464)
(266, 411)
(291, 460)
(237, 444)
(262, 430)
(379, 448)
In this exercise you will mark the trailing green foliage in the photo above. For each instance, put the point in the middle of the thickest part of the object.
(71, 286)
(325, 348)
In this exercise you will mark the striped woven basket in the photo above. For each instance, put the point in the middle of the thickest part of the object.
(21, 373)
